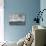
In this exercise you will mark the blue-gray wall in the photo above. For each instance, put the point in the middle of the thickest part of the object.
(29, 8)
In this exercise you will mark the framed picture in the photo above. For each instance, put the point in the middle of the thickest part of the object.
(17, 19)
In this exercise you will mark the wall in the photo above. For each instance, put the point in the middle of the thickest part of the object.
(1, 21)
(28, 7)
(43, 6)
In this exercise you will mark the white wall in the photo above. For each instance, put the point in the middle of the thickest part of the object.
(1, 21)
(43, 6)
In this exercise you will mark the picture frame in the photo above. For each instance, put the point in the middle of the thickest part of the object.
(17, 19)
